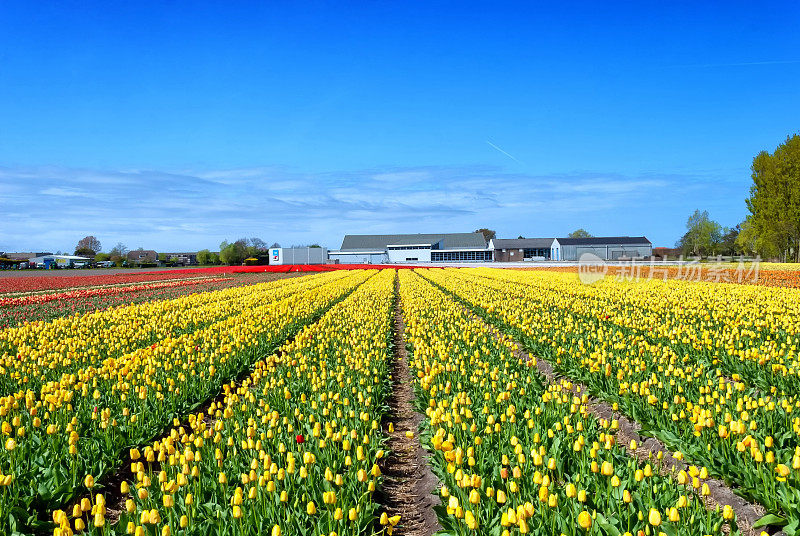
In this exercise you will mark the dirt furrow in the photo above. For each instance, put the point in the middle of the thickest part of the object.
(409, 484)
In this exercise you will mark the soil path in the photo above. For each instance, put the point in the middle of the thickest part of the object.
(409, 483)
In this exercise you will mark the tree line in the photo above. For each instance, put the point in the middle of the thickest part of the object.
(772, 227)
(230, 253)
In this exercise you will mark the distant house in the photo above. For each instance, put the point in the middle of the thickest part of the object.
(142, 255)
(185, 258)
(522, 249)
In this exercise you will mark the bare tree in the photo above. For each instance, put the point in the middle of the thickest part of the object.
(88, 245)
(257, 243)
(119, 250)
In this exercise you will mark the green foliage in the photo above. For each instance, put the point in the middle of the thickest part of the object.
(580, 233)
(237, 252)
(204, 257)
(101, 257)
(728, 244)
(774, 202)
(703, 235)
(84, 252)
(234, 253)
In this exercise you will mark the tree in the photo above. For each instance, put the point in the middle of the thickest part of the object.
(234, 253)
(203, 256)
(774, 201)
(314, 246)
(102, 257)
(84, 252)
(275, 245)
(88, 245)
(119, 250)
(728, 244)
(488, 234)
(703, 235)
(520, 237)
(748, 241)
(162, 257)
(213, 258)
(580, 233)
(257, 244)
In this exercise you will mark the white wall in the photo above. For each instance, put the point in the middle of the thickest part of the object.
(298, 255)
(400, 255)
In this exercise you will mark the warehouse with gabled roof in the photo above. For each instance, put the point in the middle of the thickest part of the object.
(400, 248)
(607, 248)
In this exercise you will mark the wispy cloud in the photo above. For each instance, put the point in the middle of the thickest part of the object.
(740, 63)
(51, 208)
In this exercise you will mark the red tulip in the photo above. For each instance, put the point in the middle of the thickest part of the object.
(300, 439)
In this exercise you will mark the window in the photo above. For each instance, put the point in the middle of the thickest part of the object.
(455, 256)
(536, 252)
(412, 258)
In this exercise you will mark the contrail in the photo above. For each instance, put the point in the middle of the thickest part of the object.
(502, 151)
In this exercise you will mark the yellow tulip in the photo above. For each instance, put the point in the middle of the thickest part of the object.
(585, 520)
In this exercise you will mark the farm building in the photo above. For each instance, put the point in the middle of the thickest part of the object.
(413, 248)
(608, 248)
(522, 249)
(59, 261)
(298, 255)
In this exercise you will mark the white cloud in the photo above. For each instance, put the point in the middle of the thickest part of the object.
(65, 192)
(51, 208)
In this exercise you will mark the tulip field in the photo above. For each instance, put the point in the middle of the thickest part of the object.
(263, 407)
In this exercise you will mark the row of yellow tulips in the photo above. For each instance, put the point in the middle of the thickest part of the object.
(740, 433)
(80, 424)
(515, 456)
(38, 352)
(292, 450)
(751, 331)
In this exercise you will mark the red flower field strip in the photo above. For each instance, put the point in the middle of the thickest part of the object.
(110, 285)
(44, 298)
(28, 284)
(49, 282)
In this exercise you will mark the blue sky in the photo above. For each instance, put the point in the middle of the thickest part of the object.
(175, 125)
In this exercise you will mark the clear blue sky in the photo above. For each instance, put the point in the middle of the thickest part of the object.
(174, 125)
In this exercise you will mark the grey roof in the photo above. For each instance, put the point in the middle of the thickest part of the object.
(379, 242)
(522, 243)
(603, 240)
(26, 255)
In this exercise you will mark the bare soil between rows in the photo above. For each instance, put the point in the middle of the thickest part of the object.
(409, 484)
